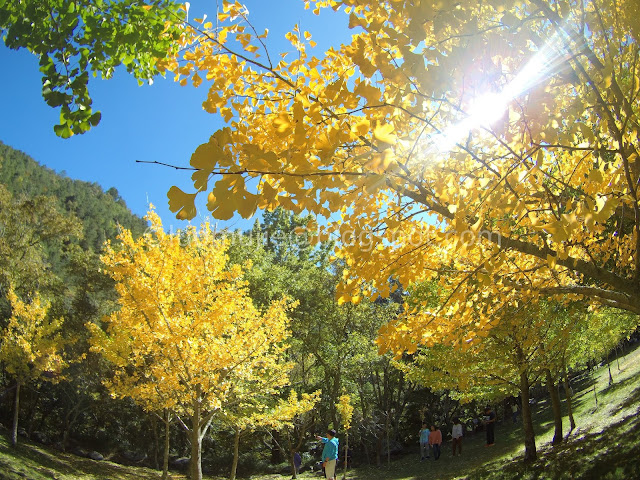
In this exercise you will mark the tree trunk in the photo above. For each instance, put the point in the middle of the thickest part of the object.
(16, 414)
(388, 442)
(167, 440)
(529, 435)
(70, 418)
(276, 452)
(292, 463)
(195, 464)
(567, 392)
(236, 452)
(557, 409)
(32, 414)
(346, 455)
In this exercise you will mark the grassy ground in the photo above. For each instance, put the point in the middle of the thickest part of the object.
(605, 445)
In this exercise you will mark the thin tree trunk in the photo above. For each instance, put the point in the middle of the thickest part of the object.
(595, 394)
(236, 452)
(32, 414)
(292, 463)
(529, 435)
(16, 414)
(195, 463)
(567, 392)
(346, 456)
(557, 409)
(167, 440)
(276, 452)
(388, 442)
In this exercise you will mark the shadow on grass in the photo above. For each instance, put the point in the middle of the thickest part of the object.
(30, 461)
(610, 454)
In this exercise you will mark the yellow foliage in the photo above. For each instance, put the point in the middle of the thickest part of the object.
(345, 409)
(491, 146)
(186, 334)
(31, 344)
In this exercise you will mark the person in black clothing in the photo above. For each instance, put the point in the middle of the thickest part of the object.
(490, 423)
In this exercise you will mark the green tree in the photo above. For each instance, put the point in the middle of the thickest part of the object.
(27, 227)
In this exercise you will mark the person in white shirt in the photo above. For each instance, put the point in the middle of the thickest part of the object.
(456, 434)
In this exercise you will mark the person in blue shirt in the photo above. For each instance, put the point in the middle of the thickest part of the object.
(329, 454)
(424, 442)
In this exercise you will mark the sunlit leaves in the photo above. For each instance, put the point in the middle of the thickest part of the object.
(82, 37)
(186, 334)
(345, 410)
(489, 147)
(31, 345)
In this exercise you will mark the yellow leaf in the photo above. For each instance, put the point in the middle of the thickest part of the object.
(182, 203)
(384, 133)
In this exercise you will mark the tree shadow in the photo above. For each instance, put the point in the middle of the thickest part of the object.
(52, 464)
(613, 453)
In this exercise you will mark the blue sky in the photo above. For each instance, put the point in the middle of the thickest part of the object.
(163, 122)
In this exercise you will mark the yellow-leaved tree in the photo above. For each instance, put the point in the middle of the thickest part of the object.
(261, 411)
(187, 336)
(31, 347)
(345, 409)
(291, 417)
(491, 146)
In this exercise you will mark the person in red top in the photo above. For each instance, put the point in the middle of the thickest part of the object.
(435, 440)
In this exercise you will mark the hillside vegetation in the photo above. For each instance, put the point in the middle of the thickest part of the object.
(100, 212)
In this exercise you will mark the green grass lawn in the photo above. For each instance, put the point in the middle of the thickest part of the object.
(605, 445)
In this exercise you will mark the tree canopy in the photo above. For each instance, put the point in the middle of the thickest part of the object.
(489, 145)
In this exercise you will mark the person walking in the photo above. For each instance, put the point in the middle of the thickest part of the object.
(297, 461)
(490, 424)
(424, 442)
(329, 454)
(435, 440)
(456, 435)
(514, 411)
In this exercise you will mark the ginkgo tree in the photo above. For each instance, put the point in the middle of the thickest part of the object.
(490, 145)
(507, 362)
(187, 336)
(31, 347)
(292, 417)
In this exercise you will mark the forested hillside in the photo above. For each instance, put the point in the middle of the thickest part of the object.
(99, 211)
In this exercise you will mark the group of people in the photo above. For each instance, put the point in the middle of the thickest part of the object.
(431, 438)
(430, 441)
